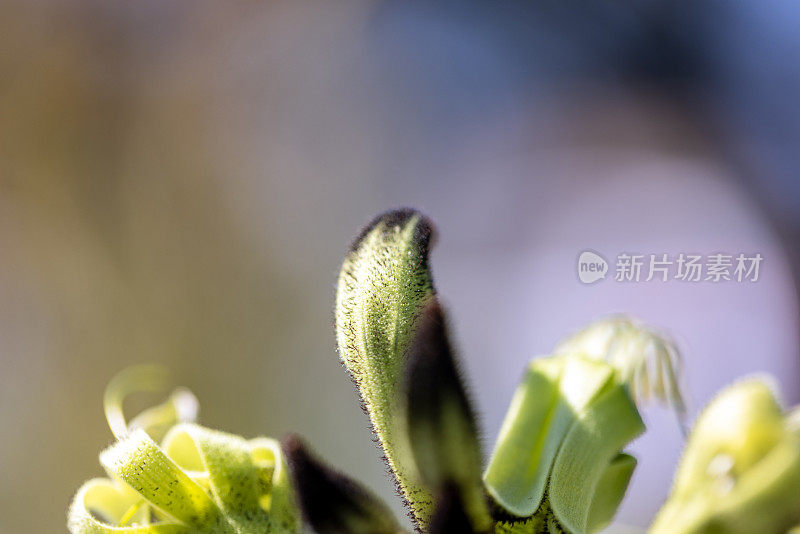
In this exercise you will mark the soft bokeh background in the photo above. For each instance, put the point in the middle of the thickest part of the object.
(179, 181)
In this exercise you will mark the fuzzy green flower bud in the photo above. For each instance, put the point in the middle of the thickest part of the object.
(383, 284)
(740, 472)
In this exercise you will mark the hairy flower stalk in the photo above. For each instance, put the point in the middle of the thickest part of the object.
(383, 284)
(197, 481)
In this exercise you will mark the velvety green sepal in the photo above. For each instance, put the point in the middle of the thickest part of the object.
(383, 284)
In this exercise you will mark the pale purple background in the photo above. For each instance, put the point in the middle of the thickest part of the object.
(178, 183)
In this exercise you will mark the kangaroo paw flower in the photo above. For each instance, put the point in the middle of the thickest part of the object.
(740, 472)
(558, 460)
(565, 428)
(198, 481)
(383, 284)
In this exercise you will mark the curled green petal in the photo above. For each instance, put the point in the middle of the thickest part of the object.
(536, 421)
(569, 418)
(232, 478)
(133, 379)
(550, 401)
(199, 481)
(246, 479)
(383, 283)
(102, 505)
(202, 480)
(740, 472)
(610, 491)
(138, 461)
(277, 494)
(180, 407)
(608, 423)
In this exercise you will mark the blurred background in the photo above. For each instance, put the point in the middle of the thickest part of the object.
(180, 180)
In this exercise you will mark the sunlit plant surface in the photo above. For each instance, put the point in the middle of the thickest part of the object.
(558, 465)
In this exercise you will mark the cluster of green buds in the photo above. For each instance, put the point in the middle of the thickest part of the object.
(558, 465)
(197, 481)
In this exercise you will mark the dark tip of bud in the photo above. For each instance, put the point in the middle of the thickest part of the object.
(424, 234)
(331, 502)
(450, 515)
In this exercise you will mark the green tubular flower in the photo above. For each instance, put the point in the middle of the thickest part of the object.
(740, 472)
(383, 284)
(562, 437)
(197, 481)
(557, 464)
